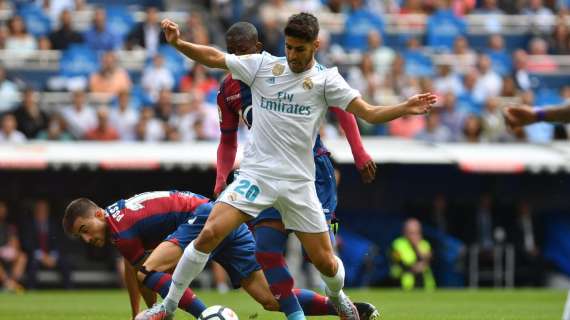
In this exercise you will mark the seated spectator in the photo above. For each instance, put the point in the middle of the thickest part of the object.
(157, 77)
(104, 131)
(520, 72)
(43, 240)
(56, 130)
(124, 117)
(9, 94)
(493, 15)
(99, 37)
(79, 117)
(149, 128)
(198, 78)
(31, 119)
(147, 34)
(398, 80)
(509, 87)
(500, 58)
(196, 29)
(164, 108)
(418, 64)
(8, 132)
(359, 22)
(411, 258)
(560, 39)
(111, 78)
(465, 58)
(447, 81)
(467, 101)
(364, 79)
(443, 27)
(19, 41)
(539, 60)
(185, 116)
(270, 33)
(472, 129)
(434, 131)
(542, 17)
(406, 127)
(12, 257)
(382, 56)
(65, 36)
(494, 128)
(489, 83)
(451, 116)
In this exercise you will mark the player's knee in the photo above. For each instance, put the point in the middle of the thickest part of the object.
(208, 239)
(141, 276)
(326, 264)
(270, 304)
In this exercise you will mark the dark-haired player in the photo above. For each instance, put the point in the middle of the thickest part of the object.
(234, 101)
(290, 98)
(151, 231)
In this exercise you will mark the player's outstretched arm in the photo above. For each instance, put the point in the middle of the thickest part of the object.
(208, 56)
(524, 115)
(416, 105)
(132, 285)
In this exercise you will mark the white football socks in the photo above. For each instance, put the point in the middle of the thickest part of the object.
(190, 265)
(335, 283)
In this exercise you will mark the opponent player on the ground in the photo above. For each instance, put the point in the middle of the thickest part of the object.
(525, 115)
(234, 99)
(165, 222)
(290, 98)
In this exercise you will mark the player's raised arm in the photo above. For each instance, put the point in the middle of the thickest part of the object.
(416, 105)
(206, 55)
(524, 115)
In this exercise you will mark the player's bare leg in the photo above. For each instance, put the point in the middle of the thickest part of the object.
(319, 249)
(222, 220)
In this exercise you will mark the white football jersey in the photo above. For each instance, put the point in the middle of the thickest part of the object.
(288, 109)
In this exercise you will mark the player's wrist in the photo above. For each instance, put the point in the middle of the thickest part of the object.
(539, 115)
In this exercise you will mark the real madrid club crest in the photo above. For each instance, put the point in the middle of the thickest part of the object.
(307, 84)
(278, 69)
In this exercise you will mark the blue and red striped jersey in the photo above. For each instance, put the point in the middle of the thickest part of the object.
(142, 222)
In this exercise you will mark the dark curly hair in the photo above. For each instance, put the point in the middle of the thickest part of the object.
(303, 25)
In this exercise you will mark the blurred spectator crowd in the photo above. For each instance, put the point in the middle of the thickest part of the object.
(113, 76)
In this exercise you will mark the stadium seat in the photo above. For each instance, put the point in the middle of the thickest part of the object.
(119, 20)
(37, 23)
(78, 60)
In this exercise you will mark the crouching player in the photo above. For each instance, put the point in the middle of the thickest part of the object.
(151, 231)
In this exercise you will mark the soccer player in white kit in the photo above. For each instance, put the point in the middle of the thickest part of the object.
(290, 99)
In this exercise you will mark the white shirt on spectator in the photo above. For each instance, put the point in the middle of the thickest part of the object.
(125, 122)
(448, 84)
(488, 85)
(79, 122)
(156, 79)
(14, 137)
(154, 131)
(9, 96)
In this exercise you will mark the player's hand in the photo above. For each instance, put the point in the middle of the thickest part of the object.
(171, 31)
(368, 171)
(420, 103)
(519, 116)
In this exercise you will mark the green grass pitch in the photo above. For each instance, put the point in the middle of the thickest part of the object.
(395, 305)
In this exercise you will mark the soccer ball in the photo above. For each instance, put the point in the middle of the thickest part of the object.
(218, 313)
